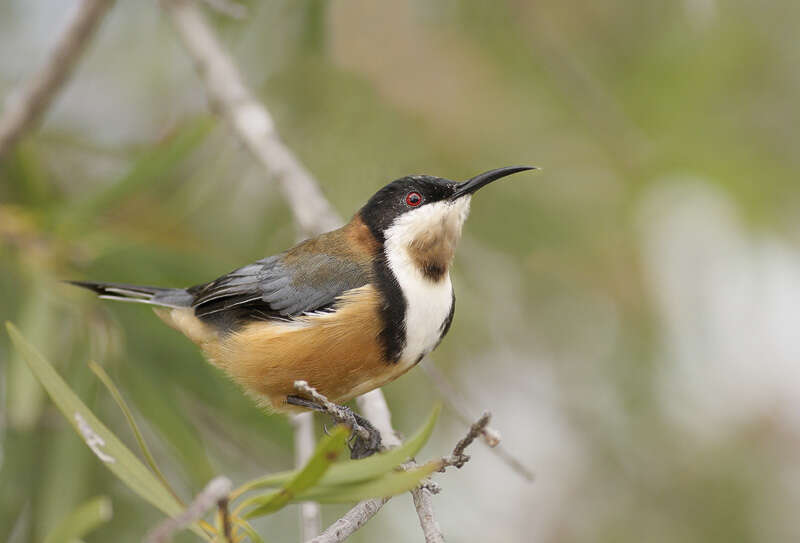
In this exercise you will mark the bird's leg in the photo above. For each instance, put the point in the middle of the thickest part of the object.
(365, 439)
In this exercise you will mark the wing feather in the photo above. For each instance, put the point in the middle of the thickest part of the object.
(278, 287)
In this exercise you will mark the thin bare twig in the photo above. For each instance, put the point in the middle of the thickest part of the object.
(214, 494)
(456, 402)
(423, 502)
(458, 406)
(310, 519)
(363, 511)
(423, 494)
(458, 458)
(351, 521)
(26, 106)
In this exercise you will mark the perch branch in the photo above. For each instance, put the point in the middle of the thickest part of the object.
(25, 107)
(215, 494)
(354, 519)
(339, 413)
(363, 511)
(423, 502)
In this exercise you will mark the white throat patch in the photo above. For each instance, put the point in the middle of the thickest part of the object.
(428, 302)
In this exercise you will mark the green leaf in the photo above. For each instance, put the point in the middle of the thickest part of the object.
(328, 450)
(83, 520)
(388, 485)
(353, 471)
(104, 444)
(115, 393)
(247, 529)
(378, 464)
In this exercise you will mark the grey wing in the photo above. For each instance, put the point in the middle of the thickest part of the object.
(272, 288)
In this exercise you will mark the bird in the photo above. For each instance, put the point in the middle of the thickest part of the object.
(346, 311)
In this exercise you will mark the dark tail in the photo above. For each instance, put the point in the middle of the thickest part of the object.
(167, 297)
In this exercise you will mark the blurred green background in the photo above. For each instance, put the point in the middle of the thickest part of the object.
(629, 314)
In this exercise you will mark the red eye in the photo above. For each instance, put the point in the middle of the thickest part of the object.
(413, 199)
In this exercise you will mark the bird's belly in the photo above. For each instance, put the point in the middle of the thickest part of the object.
(338, 353)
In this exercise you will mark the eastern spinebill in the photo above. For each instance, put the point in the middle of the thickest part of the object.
(347, 311)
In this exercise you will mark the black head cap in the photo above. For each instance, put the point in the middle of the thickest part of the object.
(414, 191)
(401, 196)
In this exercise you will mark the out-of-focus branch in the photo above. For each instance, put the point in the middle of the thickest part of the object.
(25, 106)
(213, 495)
(354, 519)
(249, 119)
(456, 403)
(374, 407)
(458, 406)
(423, 494)
(310, 519)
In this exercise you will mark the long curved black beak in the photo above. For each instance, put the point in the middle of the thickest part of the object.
(471, 185)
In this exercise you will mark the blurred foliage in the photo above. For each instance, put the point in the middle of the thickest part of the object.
(321, 479)
(82, 521)
(130, 179)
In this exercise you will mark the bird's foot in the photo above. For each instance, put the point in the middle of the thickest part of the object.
(365, 439)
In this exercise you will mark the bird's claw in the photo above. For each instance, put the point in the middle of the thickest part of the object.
(360, 445)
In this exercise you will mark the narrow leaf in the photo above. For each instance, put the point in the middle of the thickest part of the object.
(328, 450)
(353, 471)
(388, 485)
(83, 520)
(247, 529)
(379, 464)
(115, 393)
(104, 444)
